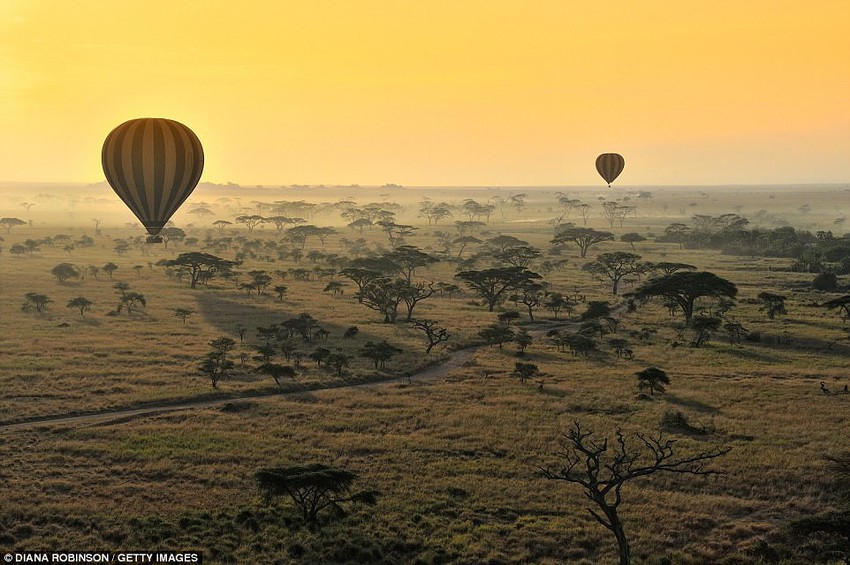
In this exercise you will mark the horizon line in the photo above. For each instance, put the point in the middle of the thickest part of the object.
(393, 186)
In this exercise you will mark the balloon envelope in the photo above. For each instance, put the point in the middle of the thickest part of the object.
(609, 166)
(153, 164)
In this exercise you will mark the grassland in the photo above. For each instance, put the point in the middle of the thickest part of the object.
(456, 459)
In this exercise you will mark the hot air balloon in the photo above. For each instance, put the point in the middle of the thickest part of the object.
(153, 165)
(610, 165)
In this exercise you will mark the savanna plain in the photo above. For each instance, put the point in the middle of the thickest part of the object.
(287, 330)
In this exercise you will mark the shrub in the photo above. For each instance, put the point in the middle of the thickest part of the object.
(827, 282)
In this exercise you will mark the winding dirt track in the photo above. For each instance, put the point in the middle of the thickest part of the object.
(455, 360)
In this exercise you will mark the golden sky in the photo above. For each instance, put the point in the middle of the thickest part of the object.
(434, 92)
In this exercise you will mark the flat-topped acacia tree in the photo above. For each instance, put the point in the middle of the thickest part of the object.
(614, 266)
(9, 223)
(684, 288)
(312, 488)
(493, 284)
(583, 237)
(201, 266)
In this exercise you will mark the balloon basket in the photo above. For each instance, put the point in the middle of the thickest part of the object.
(154, 239)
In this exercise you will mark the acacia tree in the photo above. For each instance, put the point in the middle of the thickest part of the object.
(172, 234)
(464, 241)
(525, 371)
(380, 353)
(583, 237)
(413, 294)
(250, 221)
(596, 309)
(407, 258)
(396, 232)
(652, 378)
(36, 300)
(300, 234)
(631, 238)
(531, 294)
(684, 288)
(132, 300)
(772, 304)
(363, 270)
(338, 361)
(259, 281)
(677, 233)
(520, 256)
(81, 303)
(842, 304)
(200, 212)
(183, 313)
(602, 472)
(434, 212)
(735, 331)
(464, 227)
(110, 268)
(493, 284)
(523, 339)
(65, 271)
(221, 224)
(280, 290)
(584, 211)
(669, 268)
(496, 334)
(614, 266)
(276, 371)
(384, 295)
(555, 302)
(312, 488)
(9, 223)
(216, 365)
(200, 266)
(319, 355)
(334, 287)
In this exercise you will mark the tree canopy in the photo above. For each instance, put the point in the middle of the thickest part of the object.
(200, 266)
(583, 237)
(684, 288)
(493, 284)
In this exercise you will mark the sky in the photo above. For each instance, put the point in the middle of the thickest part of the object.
(435, 93)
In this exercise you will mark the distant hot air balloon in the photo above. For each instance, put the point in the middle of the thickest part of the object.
(153, 164)
(610, 165)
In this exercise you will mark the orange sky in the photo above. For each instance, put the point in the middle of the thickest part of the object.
(456, 92)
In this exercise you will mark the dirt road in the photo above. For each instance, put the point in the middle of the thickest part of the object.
(456, 359)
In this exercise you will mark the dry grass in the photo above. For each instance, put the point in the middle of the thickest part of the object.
(456, 459)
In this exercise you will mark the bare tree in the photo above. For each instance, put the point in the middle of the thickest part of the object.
(602, 473)
(433, 332)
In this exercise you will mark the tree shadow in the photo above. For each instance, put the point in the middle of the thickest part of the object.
(691, 403)
(836, 347)
(751, 355)
(227, 313)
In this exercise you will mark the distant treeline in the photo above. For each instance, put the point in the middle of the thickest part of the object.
(813, 252)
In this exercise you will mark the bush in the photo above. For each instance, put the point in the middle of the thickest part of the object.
(675, 420)
(827, 282)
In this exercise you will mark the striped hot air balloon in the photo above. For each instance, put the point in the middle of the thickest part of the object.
(153, 164)
(609, 166)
